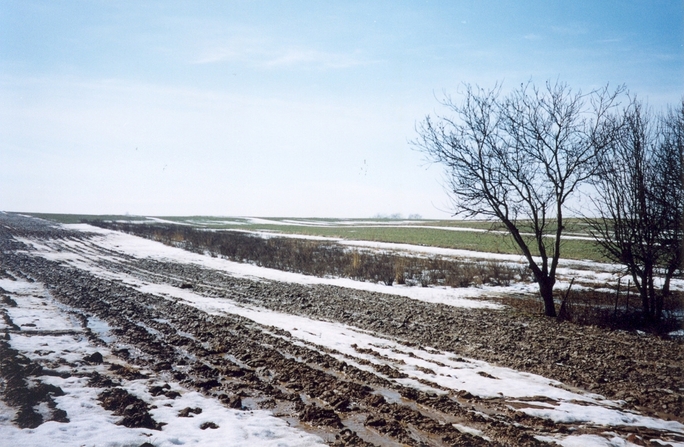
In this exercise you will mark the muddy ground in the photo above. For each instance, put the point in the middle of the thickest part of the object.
(248, 366)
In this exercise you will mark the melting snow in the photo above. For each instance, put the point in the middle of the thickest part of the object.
(423, 366)
(91, 425)
(128, 245)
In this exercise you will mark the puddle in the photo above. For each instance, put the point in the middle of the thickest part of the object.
(101, 328)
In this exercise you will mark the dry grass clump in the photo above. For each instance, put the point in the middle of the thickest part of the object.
(604, 308)
(323, 258)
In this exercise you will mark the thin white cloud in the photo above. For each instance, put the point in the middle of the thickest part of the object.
(532, 36)
(80, 144)
(667, 56)
(321, 59)
(213, 55)
(234, 48)
(573, 29)
(264, 55)
(253, 48)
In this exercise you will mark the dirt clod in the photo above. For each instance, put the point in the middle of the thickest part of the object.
(134, 410)
(320, 417)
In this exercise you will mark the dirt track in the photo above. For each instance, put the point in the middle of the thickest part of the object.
(249, 366)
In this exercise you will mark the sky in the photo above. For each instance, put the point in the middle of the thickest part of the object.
(284, 108)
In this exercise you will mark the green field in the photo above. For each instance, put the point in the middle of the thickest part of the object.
(380, 230)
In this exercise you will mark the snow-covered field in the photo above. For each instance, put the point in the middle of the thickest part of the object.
(136, 246)
(89, 424)
(422, 368)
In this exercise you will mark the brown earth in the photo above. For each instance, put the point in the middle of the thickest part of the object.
(249, 366)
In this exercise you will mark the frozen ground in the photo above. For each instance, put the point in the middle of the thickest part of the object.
(585, 273)
(140, 247)
(49, 331)
(89, 424)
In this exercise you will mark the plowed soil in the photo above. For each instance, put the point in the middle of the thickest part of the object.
(247, 366)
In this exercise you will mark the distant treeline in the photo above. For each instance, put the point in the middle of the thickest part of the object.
(323, 258)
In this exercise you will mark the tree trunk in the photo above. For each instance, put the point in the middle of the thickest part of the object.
(665, 291)
(546, 292)
(645, 308)
(640, 283)
(660, 298)
(652, 298)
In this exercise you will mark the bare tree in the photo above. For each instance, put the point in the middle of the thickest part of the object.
(670, 187)
(518, 158)
(640, 201)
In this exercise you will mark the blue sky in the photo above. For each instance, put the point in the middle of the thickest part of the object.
(275, 108)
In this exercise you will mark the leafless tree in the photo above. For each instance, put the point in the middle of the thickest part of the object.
(640, 201)
(670, 184)
(517, 158)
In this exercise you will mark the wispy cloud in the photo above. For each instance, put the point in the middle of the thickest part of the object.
(532, 36)
(573, 29)
(667, 56)
(264, 56)
(216, 54)
(238, 45)
(314, 58)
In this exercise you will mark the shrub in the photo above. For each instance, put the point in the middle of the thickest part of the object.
(322, 258)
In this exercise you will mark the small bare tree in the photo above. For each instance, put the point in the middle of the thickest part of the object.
(640, 201)
(518, 158)
(670, 184)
